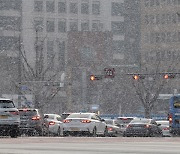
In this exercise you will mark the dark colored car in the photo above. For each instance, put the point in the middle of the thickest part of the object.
(32, 122)
(143, 127)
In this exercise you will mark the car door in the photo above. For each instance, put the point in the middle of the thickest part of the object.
(155, 127)
(100, 125)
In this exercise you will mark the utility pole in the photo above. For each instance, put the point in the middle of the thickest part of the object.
(19, 72)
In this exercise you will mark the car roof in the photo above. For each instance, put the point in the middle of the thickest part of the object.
(5, 99)
(51, 114)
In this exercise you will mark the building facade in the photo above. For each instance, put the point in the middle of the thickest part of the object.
(160, 37)
(54, 20)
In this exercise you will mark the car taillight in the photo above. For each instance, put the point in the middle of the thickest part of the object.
(14, 112)
(52, 123)
(110, 128)
(170, 118)
(85, 121)
(147, 126)
(128, 126)
(36, 118)
(66, 121)
(166, 128)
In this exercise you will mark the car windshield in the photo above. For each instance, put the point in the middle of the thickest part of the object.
(145, 121)
(79, 115)
(49, 116)
(163, 122)
(109, 122)
(124, 120)
(27, 112)
(6, 104)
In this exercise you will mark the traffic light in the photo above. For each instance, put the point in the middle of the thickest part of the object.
(109, 72)
(169, 76)
(92, 77)
(95, 77)
(137, 77)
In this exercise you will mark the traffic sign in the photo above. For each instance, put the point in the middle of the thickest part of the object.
(109, 72)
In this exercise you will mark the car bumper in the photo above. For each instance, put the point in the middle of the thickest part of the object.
(141, 132)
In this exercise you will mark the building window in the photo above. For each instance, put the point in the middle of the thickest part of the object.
(74, 8)
(10, 23)
(117, 27)
(50, 26)
(11, 5)
(62, 26)
(87, 53)
(50, 7)
(9, 43)
(62, 7)
(38, 24)
(73, 26)
(85, 26)
(85, 8)
(95, 25)
(118, 47)
(96, 8)
(116, 9)
(38, 6)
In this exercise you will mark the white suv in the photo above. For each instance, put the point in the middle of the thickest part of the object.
(9, 118)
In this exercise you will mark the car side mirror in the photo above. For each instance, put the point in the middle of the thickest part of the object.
(102, 120)
(158, 124)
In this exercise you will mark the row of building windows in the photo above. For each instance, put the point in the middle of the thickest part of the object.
(162, 37)
(117, 27)
(11, 43)
(163, 55)
(168, 18)
(10, 23)
(73, 7)
(11, 5)
(153, 3)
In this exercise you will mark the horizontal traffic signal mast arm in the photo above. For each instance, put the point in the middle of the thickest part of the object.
(166, 75)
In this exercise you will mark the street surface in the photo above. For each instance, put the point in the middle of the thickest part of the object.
(89, 145)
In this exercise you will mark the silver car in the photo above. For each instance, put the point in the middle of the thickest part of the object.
(84, 123)
(55, 124)
(164, 125)
(113, 128)
(9, 118)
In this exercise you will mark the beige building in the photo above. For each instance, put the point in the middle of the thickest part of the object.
(160, 37)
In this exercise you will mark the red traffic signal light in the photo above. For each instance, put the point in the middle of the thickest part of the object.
(95, 77)
(136, 77)
(92, 77)
(169, 76)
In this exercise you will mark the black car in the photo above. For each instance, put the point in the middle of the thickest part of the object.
(143, 127)
(32, 122)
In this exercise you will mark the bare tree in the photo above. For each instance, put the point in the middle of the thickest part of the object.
(40, 78)
(148, 87)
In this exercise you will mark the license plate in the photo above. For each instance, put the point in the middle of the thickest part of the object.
(3, 116)
(74, 129)
(137, 127)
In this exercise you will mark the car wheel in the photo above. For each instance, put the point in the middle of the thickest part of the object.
(94, 132)
(14, 133)
(59, 132)
(65, 133)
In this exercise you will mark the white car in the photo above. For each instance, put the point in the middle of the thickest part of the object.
(9, 118)
(55, 124)
(84, 123)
